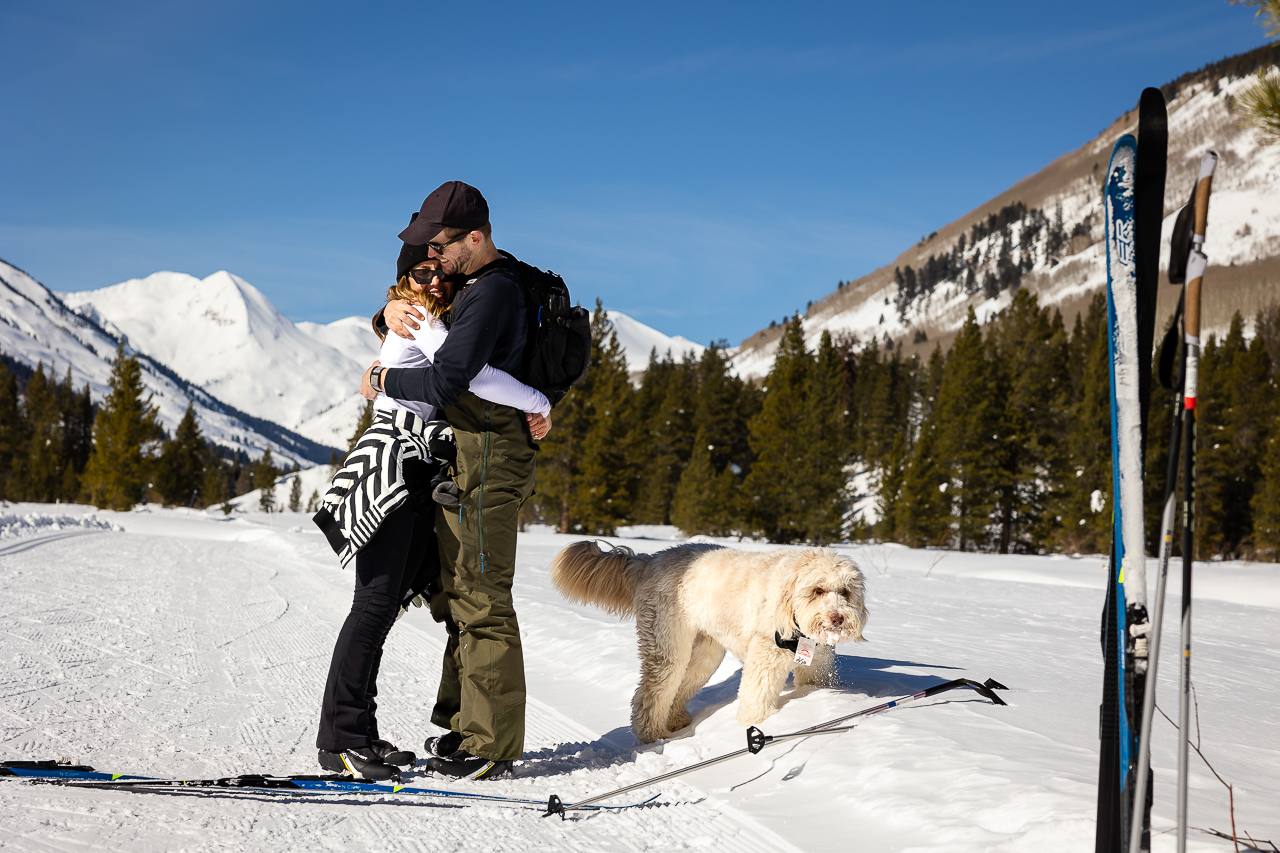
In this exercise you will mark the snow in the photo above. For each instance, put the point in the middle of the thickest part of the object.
(638, 340)
(223, 334)
(36, 326)
(41, 523)
(196, 644)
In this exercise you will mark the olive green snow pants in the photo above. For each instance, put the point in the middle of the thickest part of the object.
(482, 692)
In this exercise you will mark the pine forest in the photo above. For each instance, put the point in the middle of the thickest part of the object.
(1000, 444)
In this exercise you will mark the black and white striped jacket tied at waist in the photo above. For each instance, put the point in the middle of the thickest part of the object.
(371, 483)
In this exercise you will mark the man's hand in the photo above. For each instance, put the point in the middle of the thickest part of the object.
(538, 425)
(400, 315)
(366, 390)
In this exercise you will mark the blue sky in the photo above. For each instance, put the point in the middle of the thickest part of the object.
(703, 167)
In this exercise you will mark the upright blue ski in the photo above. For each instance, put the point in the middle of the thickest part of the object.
(1127, 577)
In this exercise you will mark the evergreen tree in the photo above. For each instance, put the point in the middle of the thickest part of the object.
(1236, 406)
(45, 461)
(775, 484)
(603, 483)
(1086, 521)
(922, 516)
(1266, 499)
(888, 487)
(313, 502)
(77, 433)
(705, 501)
(824, 495)
(215, 486)
(667, 433)
(560, 453)
(967, 419)
(242, 477)
(1162, 408)
(180, 469)
(295, 495)
(13, 441)
(264, 478)
(123, 434)
(707, 497)
(1030, 368)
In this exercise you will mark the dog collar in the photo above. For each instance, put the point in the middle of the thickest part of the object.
(791, 644)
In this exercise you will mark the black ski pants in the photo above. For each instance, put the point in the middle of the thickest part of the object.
(400, 559)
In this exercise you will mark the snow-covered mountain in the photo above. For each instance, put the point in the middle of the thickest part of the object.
(224, 335)
(638, 340)
(36, 326)
(922, 298)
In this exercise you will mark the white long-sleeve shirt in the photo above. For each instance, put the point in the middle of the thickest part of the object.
(490, 384)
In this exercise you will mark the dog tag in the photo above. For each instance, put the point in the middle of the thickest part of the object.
(804, 651)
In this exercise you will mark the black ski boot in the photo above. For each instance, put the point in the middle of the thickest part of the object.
(464, 765)
(444, 745)
(389, 753)
(361, 762)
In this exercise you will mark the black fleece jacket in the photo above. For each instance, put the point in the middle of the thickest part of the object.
(487, 325)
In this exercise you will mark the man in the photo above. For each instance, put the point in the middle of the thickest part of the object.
(482, 691)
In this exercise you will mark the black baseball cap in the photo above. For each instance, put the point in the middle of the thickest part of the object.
(451, 205)
(411, 254)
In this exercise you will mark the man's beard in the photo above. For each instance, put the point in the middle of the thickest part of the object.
(462, 266)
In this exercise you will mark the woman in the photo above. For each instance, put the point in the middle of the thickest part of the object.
(379, 512)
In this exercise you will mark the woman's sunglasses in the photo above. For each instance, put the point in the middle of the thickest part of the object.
(424, 276)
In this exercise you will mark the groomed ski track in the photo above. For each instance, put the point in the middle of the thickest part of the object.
(193, 645)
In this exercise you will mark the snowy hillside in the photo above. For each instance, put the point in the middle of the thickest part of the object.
(638, 340)
(36, 326)
(219, 670)
(223, 334)
(1045, 233)
(351, 336)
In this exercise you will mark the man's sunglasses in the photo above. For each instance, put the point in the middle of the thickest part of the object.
(439, 248)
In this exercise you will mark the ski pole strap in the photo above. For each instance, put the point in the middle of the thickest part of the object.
(985, 689)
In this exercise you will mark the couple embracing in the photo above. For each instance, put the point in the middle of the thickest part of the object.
(427, 503)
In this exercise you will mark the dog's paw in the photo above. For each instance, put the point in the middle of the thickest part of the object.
(754, 716)
(648, 734)
(678, 720)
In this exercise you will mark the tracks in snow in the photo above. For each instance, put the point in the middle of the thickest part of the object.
(173, 656)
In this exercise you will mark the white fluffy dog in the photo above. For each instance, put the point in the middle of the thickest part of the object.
(694, 601)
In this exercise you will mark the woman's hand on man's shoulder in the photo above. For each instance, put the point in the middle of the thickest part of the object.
(403, 317)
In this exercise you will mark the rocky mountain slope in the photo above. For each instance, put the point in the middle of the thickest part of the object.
(1045, 233)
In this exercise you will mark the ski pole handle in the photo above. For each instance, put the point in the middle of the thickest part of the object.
(1197, 261)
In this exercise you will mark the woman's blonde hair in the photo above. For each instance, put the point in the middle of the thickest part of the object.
(403, 290)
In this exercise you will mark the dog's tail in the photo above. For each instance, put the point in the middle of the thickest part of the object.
(588, 575)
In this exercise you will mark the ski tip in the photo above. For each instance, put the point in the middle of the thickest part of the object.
(993, 684)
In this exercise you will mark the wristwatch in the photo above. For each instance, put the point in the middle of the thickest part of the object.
(375, 378)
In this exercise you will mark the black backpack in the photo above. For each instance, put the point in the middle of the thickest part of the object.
(558, 348)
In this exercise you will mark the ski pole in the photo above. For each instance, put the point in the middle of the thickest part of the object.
(758, 740)
(1157, 618)
(1196, 264)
